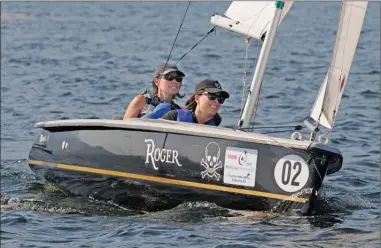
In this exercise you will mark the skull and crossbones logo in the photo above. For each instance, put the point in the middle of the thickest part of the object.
(211, 162)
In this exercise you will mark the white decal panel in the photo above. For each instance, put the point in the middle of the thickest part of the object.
(211, 161)
(291, 173)
(240, 166)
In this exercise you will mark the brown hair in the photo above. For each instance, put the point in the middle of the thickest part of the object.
(155, 91)
(191, 104)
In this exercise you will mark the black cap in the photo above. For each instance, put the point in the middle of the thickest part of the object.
(211, 86)
(163, 69)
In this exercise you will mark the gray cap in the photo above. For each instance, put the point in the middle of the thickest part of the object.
(211, 86)
(164, 68)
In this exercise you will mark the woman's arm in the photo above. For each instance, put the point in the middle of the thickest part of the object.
(135, 107)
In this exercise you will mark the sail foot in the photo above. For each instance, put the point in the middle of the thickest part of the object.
(235, 26)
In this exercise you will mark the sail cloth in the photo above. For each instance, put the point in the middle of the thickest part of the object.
(348, 33)
(250, 18)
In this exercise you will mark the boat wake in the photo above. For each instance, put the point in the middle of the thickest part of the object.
(40, 196)
(189, 212)
(343, 203)
(49, 198)
(285, 206)
(14, 16)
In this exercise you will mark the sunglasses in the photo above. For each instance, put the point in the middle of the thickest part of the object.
(214, 96)
(170, 77)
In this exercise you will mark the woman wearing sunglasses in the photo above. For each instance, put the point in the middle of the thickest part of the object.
(166, 85)
(203, 105)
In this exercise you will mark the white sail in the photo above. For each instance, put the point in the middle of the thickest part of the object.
(250, 18)
(348, 33)
(316, 112)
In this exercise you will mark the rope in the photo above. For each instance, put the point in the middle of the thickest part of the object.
(247, 44)
(178, 31)
(173, 45)
(277, 127)
(209, 32)
(281, 131)
(274, 127)
(244, 96)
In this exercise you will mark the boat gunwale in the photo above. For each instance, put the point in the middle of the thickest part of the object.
(178, 128)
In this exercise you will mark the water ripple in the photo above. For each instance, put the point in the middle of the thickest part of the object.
(87, 60)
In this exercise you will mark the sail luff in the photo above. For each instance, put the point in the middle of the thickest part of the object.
(348, 34)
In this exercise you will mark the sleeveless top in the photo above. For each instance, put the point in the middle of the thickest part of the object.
(154, 108)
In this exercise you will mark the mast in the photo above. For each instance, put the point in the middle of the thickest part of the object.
(253, 95)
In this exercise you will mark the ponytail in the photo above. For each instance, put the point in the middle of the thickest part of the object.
(191, 104)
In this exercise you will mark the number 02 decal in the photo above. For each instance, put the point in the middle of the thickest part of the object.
(291, 173)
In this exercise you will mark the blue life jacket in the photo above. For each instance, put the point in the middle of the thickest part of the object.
(160, 110)
(154, 109)
(185, 115)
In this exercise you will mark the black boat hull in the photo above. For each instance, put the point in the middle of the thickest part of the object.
(152, 170)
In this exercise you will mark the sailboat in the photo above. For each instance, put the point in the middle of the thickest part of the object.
(156, 164)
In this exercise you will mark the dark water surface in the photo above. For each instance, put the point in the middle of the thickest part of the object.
(88, 59)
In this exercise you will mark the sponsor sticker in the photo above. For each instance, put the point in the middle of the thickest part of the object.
(291, 173)
(240, 166)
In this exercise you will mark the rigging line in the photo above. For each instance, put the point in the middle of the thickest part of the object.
(174, 42)
(260, 128)
(247, 90)
(313, 160)
(279, 131)
(209, 32)
(244, 76)
(178, 31)
(275, 127)
(245, 96)
(260, 87)
(252, 121)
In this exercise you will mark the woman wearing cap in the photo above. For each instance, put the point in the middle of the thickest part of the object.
(203, 105)
(166, 85)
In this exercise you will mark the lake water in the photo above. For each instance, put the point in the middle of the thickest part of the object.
(64, 60)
